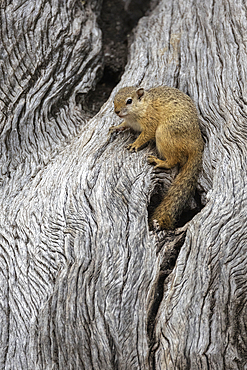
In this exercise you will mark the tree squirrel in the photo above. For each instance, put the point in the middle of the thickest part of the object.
(169, 117)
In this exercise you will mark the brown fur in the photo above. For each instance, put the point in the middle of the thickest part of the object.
(169, 117)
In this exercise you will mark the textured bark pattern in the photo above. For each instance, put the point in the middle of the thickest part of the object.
(48, 50)
(80, 270)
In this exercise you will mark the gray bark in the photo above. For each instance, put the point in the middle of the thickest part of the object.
(84, 284)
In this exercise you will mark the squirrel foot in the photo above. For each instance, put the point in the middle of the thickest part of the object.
(116, 129)
(152, 159)
(132, 148)
(156, 162)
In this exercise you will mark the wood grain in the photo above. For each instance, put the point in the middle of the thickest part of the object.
(83, 283)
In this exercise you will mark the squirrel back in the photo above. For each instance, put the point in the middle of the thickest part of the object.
(169, 117)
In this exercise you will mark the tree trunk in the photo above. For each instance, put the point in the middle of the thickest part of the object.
(84, 284)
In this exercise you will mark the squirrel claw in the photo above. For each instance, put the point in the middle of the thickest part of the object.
(152, 160)
(111, 130)
(132, 148)
(116, 129)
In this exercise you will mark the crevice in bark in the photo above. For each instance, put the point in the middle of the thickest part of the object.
(173, 242)
(117, 20)
(189, 213)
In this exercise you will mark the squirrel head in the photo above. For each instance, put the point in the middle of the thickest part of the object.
(127, 101)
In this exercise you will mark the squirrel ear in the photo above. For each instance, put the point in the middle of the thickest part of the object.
(140, 92)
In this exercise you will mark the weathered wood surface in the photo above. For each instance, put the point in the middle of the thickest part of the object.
(79, 268)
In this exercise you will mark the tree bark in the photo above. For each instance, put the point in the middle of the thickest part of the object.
(84, 284)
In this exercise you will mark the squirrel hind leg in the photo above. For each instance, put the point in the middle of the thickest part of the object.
(159, 163)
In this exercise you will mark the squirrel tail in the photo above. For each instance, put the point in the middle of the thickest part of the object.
(178, 195)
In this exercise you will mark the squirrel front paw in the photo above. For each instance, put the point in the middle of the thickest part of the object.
(111, 130)
(116, 129)
(132, 148)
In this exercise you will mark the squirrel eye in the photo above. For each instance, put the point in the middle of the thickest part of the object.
(129, 101)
